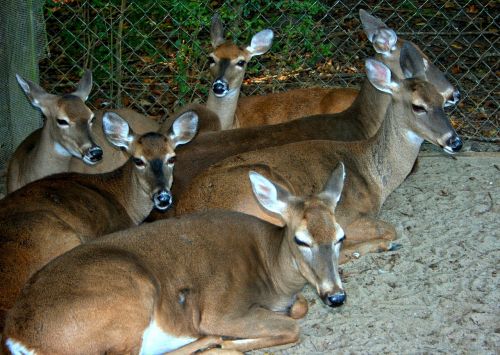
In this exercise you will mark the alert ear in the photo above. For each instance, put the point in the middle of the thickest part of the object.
(84, 86)
(270, 196)
(379, 76)
(184, 128)
(36, 94)
(411, 61)
(382, 37)
(117, 131)
(261, 43)
(217, 31)
(334, 186)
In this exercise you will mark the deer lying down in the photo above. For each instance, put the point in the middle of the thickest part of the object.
(182, 284)
(47, 217)
(280, 107)
(376, 166)
(65, 134)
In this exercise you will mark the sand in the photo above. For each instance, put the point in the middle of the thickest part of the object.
(440, 292)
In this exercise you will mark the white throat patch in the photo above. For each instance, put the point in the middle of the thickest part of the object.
(16, 348)
(60, 150)
(413, 138)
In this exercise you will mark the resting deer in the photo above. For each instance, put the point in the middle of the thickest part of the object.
(375, 166)
(65, 134)
(47, 217)
(184, 284)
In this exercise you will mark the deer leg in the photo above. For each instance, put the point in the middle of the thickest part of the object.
(201, 344)
(368, 235)
(299, 308)
(259, 328)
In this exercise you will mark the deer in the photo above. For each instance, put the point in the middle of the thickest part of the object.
(280, 107)
(65, 134)
(48, 217)
(214, 279)
(228, 63)
(375, 166)
(71, 139)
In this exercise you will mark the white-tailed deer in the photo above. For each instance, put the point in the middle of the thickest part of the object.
(375, 166)
(47, 217)
(65, 134)
(228, 63)
(213, 279)
(280, 107)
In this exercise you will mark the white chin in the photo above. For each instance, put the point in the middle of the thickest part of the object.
(448, 150)
(86, 160)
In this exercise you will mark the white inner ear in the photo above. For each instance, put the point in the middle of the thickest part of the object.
(266, 193)
(116, 130)
(380, 76)
(261, 42)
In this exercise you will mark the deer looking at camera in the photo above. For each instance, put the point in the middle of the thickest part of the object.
(160, 285)
(65, 134)
(375, 166)
(71, 139)
(280, 107)
(47, 217)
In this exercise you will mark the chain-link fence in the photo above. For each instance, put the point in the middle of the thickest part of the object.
(152, 55)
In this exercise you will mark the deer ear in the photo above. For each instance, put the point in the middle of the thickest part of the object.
(37, 96)
(333, 187)
(411, 61)
(217, 31)
(270, 196)
(84, 86)
(261, 42)
(117, 130)
(184, 128)
(379, 76)
(382, 37)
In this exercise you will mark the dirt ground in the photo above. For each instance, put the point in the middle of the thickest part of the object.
(440, 292)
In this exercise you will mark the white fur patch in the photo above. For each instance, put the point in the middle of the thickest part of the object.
(156, 341)
(413, 138)
(60, 150)
(16, 348)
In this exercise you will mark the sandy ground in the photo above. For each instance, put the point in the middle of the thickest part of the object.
(440, 292)
(437, 294)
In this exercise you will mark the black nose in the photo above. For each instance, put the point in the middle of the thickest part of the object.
(162, 200)
(220, 87)
(335, 300)
(455, 143)
(456, 96)
(94, 154)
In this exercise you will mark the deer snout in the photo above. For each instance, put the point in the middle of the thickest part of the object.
(454, 143)
(334, 299)
(220, 87)
(162, 200)
(93, 155)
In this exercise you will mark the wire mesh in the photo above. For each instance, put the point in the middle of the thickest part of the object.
(151, 55)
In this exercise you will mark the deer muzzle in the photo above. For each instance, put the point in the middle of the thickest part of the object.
(93, 155)
(220, 87)
(334, 299)
(162, 200)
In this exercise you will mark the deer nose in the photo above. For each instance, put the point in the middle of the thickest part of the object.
(93, 155)
(455, 143)
(335, 300)
(162, 200)
(220, 87)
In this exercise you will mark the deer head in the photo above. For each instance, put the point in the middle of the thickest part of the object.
(386, 43)
(428, 120)
(152, 154)
(228, 62)
(67, 118)
(313, 237)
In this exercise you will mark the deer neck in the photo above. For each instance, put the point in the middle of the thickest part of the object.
(50, 156)
(224, 107)
(368, 111)
(394, 150)
(130, 191)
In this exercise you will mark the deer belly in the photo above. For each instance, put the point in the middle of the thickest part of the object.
(157, 341)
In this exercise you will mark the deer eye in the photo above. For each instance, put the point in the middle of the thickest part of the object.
(341, 240)
(62, 123)
(418, 109)
(171, 160)
(241, 63)
(138, 162)
(300, 243)
(92, 120)
(211, 61)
